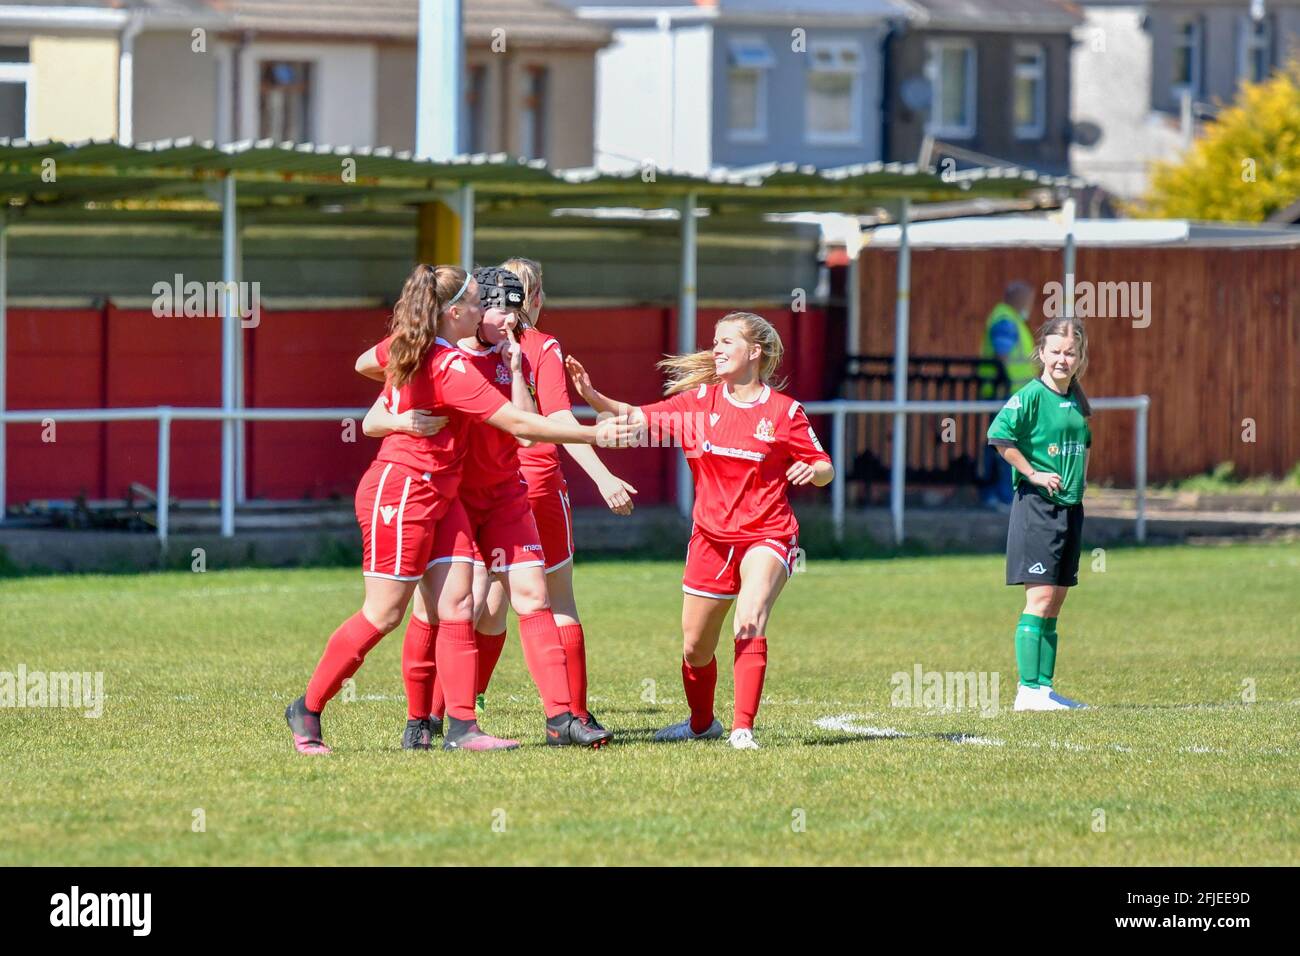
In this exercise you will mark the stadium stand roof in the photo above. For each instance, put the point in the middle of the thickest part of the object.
(106, 172)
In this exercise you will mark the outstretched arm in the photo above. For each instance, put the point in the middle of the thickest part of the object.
(612, 432)
(601, 403)
(616, 492)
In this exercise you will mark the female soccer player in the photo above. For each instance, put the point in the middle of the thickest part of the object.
(501, 531)
(744, 441)
(1042, 433)
(548, 497)
(412, 487)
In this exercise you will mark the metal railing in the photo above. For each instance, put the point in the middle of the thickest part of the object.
(838, 410)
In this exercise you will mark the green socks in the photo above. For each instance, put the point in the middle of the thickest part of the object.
(1029, 633)
(1047, 652)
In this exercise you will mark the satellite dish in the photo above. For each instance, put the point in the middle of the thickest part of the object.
(915, 93)
(1085, 134)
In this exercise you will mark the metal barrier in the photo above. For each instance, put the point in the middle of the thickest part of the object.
(838, 410)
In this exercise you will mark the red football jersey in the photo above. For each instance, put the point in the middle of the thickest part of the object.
(446, 384)
(738, 453)
(548, 382)
(493, 454)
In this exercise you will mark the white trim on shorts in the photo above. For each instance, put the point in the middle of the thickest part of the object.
(454, 559)
(510, 567)
(391, 577)
(374, 513)
(767, 547)
(556, 567)
(401, 513)
(717, 597)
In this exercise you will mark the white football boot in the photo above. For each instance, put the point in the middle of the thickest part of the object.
(682, 731)
(1065, 701)
(1037, 698)
(742, 738)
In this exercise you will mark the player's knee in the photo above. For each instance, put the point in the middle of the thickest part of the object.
(384, 618)
(456, 607)
(696, 655)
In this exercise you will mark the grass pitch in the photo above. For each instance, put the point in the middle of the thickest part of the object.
(1190, 656)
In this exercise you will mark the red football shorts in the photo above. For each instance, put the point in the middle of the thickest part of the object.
(398, 509)
(453, 540)
(554, 520)
(713, 567)
(502, 526)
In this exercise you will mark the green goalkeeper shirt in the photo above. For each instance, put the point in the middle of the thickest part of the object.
(1051, 431)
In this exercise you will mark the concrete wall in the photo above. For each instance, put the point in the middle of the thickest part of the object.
(395, 96)
(994, 118)
(635, 77)
(74, 87)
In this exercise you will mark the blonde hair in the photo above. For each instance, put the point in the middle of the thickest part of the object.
(697, 368)
(1067, 327)
(427, 292)
(529, 273)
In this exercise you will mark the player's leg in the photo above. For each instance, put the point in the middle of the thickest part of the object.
(382, 611)
(1067, 577)
(489, 629)
(554, 520)
(763, 573)
(702, 620)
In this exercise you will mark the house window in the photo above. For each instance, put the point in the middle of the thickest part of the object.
(834, 92)
(748, 62)
(532, 132)
(15, 92)
(1187, 59)
(951, 71)
(476, 109)
(1030, 91)
(1254, 49)
(284, 101)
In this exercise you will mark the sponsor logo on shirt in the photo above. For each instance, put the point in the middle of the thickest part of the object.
(765, 431)
(709, 448)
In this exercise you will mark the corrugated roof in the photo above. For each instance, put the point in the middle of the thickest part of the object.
(284, 173)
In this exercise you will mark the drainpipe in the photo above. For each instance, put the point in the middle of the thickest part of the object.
(126, 78)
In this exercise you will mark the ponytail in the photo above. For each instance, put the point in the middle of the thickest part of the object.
(414, 326)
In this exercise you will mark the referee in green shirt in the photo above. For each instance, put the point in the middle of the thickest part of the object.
(1042, 432)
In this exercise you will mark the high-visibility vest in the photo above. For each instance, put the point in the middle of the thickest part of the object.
(1019, 361)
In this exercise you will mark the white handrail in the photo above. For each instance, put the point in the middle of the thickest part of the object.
(839, 411)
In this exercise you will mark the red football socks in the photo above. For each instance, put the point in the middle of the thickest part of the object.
(419, 667)
(489, 652)
(700, 683)
(346, 649)
(458, 667)
(544, 655)
(751, 666)
(575, 662)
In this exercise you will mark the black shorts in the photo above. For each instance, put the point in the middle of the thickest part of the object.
(1043, 540)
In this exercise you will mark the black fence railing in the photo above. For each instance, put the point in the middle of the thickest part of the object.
(941, 449)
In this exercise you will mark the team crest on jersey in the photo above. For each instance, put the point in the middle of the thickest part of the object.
(1052, 449)
(765, 431)
(503, 374)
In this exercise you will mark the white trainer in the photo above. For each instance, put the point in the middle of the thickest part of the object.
(682, 731)
(1037, 698)
(742, 738)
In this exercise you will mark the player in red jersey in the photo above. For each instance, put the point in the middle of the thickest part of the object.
(501, 530)
(409, 494)
(548, 497)
(745, 443)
